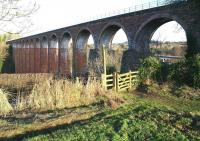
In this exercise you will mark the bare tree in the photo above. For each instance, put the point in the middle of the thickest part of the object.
(15, 15)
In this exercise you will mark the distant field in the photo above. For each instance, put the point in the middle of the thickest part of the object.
(169, 49)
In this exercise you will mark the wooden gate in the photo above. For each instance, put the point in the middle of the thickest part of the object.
(120, 82)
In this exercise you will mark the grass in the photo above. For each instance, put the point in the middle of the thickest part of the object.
(58, 94)
(57, 109)
(5, 106)
(25, 123)
(11, 81)
(141, 117)
(50, 93)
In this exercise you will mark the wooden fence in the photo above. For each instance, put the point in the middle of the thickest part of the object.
(120, 82)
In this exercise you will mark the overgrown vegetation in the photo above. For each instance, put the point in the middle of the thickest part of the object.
(143, 119)
(186, 72)
(5, 106)
(154, 116)
(6, 52)
(47, 93)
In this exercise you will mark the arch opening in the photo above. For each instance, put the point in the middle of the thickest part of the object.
(164, 38)
(83, 51)
(53, 54)
(115, 40)
(66, 54)
(44, 55)
(169, 45)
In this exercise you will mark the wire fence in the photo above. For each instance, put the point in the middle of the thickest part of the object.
(135, 8)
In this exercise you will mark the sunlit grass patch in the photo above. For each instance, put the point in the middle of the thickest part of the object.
(5, 106)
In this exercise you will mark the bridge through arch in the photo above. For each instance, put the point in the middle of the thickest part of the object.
(145, 33)
(115, 40)
(84, 44)
(169, 42)
(66, 54)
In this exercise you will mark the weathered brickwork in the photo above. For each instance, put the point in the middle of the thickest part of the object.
(39, 49)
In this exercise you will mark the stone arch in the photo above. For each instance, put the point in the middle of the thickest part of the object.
(53, 54)
(44, 55)
(108, 32)
(66, 53)
(114, 56)
(147, 29)
(82, 52)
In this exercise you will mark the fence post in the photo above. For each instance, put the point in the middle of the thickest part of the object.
(130, 79)
(117, 82)
(77, 80)
(103, 79)
(104, 59)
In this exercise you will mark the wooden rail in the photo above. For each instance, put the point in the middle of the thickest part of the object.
(120, 82)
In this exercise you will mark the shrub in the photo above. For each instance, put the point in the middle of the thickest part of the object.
(110, 69)
(187, 92)
(177, 72)
(193, 73)
(3, 54)
(150, 68)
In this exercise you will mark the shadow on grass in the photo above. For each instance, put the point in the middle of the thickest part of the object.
(27, 117)
(140, 112)
(30, 134)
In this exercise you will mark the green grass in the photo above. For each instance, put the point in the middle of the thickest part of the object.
(141, 118)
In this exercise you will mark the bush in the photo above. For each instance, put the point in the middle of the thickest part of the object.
(183, 72)
(177, 72)
(150, 68)
(187, 93)
(193, 74)
(110, 69)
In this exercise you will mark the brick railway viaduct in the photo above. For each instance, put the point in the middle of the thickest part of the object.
(49, 52)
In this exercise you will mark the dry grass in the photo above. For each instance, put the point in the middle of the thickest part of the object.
(169, 49)
(15, 125)
(3, 50)
(47, 93)
(22, 80)
(5, 106)
(58, 94)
